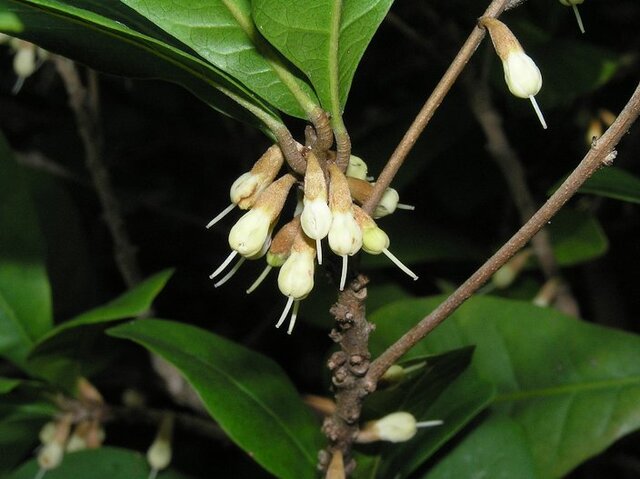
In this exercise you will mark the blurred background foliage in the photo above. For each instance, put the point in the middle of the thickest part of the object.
(172, 160)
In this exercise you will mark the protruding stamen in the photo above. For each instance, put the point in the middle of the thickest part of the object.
(294, 316)
(402, 206)
(41, 473)
(15, 90)
(343, 275)
(578, 17)
(153, 473)
(538, 111)
(221, 215)
(233, 271)
(285, 312)
(260, 279)
(224, 264)
(319, 250)
(399, 264)
(435, 422)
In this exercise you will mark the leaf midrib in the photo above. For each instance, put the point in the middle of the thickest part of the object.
(567, 389)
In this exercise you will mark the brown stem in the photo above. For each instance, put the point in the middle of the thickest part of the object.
(513, 172)
(290, 150)
(431, 105)
(324, 134)
(601, 153)
(348, 369)
(84, 104)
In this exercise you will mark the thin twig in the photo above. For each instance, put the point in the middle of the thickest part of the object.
(84, 104)
(507, 159)
(601, 153)
(433, 102)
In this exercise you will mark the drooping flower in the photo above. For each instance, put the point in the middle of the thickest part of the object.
(345, 236)
(399, 426)
(247, 187)
(316, 216)
(520, 72)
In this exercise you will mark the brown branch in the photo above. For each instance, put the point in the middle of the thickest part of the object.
(84, 104)
(601, 153)
(396, 160)
(348, 369)
(507, 159)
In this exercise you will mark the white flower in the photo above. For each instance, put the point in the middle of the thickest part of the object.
(357, 168)
(388, 203)
(316, 218)
(345, 236)
(295, 278)
(522, 75)
(395, 427)
(250, 232)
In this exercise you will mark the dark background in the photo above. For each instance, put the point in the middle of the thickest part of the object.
(172, 160)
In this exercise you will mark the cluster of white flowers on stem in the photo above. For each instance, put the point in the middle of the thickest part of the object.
(328, 208)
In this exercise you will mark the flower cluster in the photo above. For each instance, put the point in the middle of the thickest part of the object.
(327, 208)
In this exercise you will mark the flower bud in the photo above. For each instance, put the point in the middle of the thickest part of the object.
(360, 189)
(388, 203)
(316, 216)
(295, 279)
(50, 456)
(357, 168)
(159, 453)
(282, 243)
(394, 375)
(396, 427)
(47, 432)
(249, 234)
(24, 61)
(520, 72)
(246, 189)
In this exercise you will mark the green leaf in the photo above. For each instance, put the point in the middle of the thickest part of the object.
(222, 32)
(113, 44)
(71, 349)
(324, 38)
(246, 393)
(7, 384)
(25, 294)
(613, 183)
(573, 388)
(576, 237)
(103, 463)
(499, 450)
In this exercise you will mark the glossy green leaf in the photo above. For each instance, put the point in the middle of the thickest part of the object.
(497, 450)
(73, 348)
(245, 392)
(324, 38)
(576, 237)
(573, 388)
(613, 183)
(222, 32)
(25, 294)
(104, 463)
(104, 35)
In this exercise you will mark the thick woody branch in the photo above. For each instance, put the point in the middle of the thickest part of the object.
(428, 110)
(601, 153)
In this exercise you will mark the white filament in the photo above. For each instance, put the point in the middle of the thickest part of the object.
(578, 17)
(319, 249)
(153, 474)
(294, 316)
(285, 312)
(40, 474)
(224, 264)
(343, 275)
(228, 276)
(402, 206)
(260, 279)
(538, 111)
(435, 422)
(399, 264)
(221, 215)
